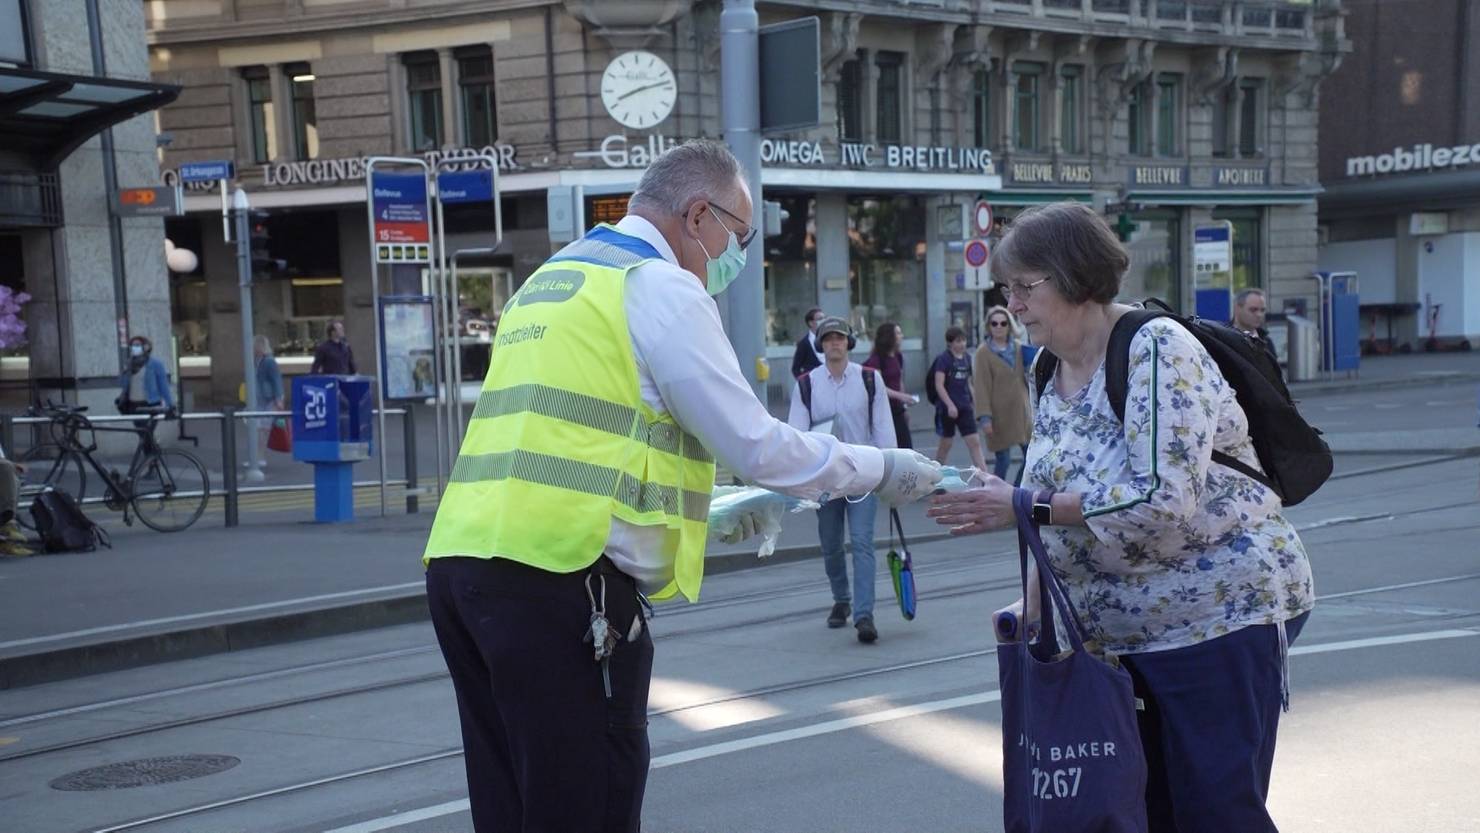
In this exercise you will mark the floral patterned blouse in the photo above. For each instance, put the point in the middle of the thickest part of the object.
(1178, 549)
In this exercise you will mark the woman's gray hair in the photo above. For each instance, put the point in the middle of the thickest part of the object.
(701, 169)
(1068, 243)
(260, 342)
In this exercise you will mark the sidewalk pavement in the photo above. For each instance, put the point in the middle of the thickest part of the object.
(158, 597)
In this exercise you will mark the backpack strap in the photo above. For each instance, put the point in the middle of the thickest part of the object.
(1117, 378)
(804, 387)
(869, 385)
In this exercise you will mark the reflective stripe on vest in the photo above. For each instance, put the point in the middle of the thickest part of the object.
(560, 440)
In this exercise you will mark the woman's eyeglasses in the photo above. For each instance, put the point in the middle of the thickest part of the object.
(997, 323)
(1021, 291)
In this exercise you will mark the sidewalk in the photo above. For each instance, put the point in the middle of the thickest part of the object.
(155, 597)
(280, 577)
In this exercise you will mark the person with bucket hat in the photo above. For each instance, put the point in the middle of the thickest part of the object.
(847, 400)
(584, 483)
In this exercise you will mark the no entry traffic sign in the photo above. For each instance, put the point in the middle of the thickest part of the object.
(981, 218)
(976, 253)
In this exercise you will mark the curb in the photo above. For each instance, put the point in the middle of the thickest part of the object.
(88, 658)
(1297, 389)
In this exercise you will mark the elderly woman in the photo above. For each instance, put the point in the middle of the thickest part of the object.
(1185, 570)
(1000, 389)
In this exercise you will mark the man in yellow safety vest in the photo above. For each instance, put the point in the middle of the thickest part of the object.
(584, 480)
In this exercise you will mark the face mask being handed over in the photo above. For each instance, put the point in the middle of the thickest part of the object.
(723, 270)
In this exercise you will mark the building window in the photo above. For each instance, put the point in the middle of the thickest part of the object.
(1155, 270)
(889, 101)
(1139, 120)
(1169, 115)
(850, 102)
(791, 269)
(1025, 106)
(424, 95)
(260, 114)
(1247, 273)
(981, 108)
(1251, 121)
(1223, 110)
(1071, 139)
(305, 115)
(15, 35)
(886, 263)
(475, 83)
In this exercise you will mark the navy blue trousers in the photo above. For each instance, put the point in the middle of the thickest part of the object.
(1208, 729)
(546, 751)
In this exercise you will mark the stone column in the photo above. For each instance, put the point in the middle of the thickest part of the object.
(451, 122)
(832, 253)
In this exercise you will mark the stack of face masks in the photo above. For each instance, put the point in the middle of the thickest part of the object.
(732, 503)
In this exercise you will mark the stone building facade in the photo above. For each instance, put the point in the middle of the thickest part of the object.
(1170, 115)
(1400, 159)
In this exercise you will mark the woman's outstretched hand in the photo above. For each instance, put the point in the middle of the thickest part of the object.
(980, 509)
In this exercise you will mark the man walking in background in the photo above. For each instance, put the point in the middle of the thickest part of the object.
(808, 354)
(1249, 310)
(849, 400)
(333, 355)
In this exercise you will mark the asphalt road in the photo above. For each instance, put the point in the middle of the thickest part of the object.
(763, 719)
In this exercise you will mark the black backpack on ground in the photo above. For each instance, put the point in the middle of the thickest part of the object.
(62, 525)
(1296, 461)
(804, 387)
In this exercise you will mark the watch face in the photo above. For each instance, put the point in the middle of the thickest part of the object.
(638, 89)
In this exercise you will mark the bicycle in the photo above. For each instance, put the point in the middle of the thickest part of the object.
(166, 488)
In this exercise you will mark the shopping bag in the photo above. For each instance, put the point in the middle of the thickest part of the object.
(901, 567)
(1071, 752)
(280, 438)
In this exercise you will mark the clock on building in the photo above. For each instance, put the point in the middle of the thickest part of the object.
(638, 89)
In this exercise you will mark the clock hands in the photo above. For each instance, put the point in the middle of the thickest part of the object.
(631, 93)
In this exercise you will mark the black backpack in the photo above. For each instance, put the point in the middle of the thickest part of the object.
(804, 387)
(1296, 461)
(62, 525)
(930, 393)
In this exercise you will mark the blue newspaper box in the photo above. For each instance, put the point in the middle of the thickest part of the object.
(332, 419)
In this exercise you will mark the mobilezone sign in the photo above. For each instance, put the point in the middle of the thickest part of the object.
(1424, 157)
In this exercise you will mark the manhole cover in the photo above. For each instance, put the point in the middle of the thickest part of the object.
(145, 771)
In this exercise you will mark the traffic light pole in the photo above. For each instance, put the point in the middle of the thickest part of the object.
(740, 111)
(242, 217)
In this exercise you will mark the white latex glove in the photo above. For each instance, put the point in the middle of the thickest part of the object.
(746, 526)
(908, 476)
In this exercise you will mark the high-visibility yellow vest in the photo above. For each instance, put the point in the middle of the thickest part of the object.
(561, 442)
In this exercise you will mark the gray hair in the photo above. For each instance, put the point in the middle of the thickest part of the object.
(1068, 243)
(261, 343)
(702, 169)
(1244, 294)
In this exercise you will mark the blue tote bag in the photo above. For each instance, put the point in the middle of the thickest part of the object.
(1071, 754)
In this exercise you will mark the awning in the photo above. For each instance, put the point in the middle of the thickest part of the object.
(46, 115)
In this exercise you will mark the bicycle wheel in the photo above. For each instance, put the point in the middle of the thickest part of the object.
(48, 466)
(170, 490)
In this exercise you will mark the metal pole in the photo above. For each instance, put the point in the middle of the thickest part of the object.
(444, 325)
(242, 209)
(740, 110)
(228, 462)
(408, 435)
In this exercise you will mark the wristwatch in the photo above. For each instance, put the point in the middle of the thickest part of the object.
(1043, 507)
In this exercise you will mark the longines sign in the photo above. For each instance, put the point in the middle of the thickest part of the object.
(621, 152)
(352, 169)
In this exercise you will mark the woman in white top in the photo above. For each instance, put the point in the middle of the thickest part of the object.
(1184, 569)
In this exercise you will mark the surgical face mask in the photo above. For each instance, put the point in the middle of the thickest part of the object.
(723, 270)
(136, 349)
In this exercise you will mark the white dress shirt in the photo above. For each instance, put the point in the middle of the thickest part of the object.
(686, 367)
(844, 401)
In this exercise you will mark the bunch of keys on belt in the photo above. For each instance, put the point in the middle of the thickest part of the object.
(600, 635)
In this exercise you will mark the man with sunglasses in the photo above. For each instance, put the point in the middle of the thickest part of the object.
(809, 353)
(584, 481)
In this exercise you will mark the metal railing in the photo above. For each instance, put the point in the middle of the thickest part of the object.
(227, 418)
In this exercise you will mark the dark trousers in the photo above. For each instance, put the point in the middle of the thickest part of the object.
(545, 750)
(902, 436)
(1208, 729)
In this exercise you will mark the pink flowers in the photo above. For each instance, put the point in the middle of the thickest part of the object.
(12, 325)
